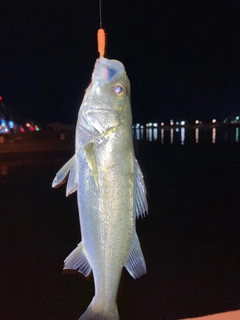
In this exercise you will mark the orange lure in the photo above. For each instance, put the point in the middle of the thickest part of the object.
(101, 42)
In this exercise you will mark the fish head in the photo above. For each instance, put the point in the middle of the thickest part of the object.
(106, 103)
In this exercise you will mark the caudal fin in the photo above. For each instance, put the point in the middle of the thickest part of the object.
(94, 312)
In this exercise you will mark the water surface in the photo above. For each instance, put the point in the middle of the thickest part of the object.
(190, 239)
(182, 135)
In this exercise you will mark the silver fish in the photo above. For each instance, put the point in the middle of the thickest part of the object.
(110, 188)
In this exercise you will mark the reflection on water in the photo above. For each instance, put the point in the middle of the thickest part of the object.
(138, 134)
(162, 136)
(171, 135)
(155, 133)
(197, 135)
(184, 135)
(148, 134)
(213, 135)
(237, 135)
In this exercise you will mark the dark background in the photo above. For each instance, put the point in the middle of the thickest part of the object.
(190, 239)
(182, 57)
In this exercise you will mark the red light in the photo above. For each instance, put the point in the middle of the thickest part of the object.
(32, 129)
(22, 130)
(0, 98)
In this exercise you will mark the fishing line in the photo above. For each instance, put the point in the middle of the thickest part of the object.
(101, 38)
(100, 13)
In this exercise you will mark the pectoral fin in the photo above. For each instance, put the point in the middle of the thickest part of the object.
(67, 172)
(136, 265)
(77, 260)
(141, 199)
(91, 159)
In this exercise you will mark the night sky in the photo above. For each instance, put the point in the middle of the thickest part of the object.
(182, 57)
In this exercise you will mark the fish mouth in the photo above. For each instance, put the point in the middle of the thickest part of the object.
(107, 63)
(106, 69)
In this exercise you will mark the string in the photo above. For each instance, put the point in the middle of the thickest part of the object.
(100, 13)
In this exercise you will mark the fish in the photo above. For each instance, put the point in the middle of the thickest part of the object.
(110, 188)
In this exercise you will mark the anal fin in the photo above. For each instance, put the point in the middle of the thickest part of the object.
(77, 260)
(136, 265)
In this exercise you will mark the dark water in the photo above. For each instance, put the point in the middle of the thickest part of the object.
(182, 135)
(190, 238)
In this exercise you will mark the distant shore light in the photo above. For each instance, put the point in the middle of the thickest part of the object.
(11, 124)
(171, 123)
(182, 123)
(214, 120)
(162, 124)
(197, 121)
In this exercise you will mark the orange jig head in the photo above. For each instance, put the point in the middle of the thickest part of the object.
(101, 42)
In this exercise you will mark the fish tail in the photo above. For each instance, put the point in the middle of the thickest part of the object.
(94, 312)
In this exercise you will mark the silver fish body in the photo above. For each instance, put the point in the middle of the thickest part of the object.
(110, 188)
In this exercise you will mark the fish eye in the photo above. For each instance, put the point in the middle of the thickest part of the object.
(119, 89)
